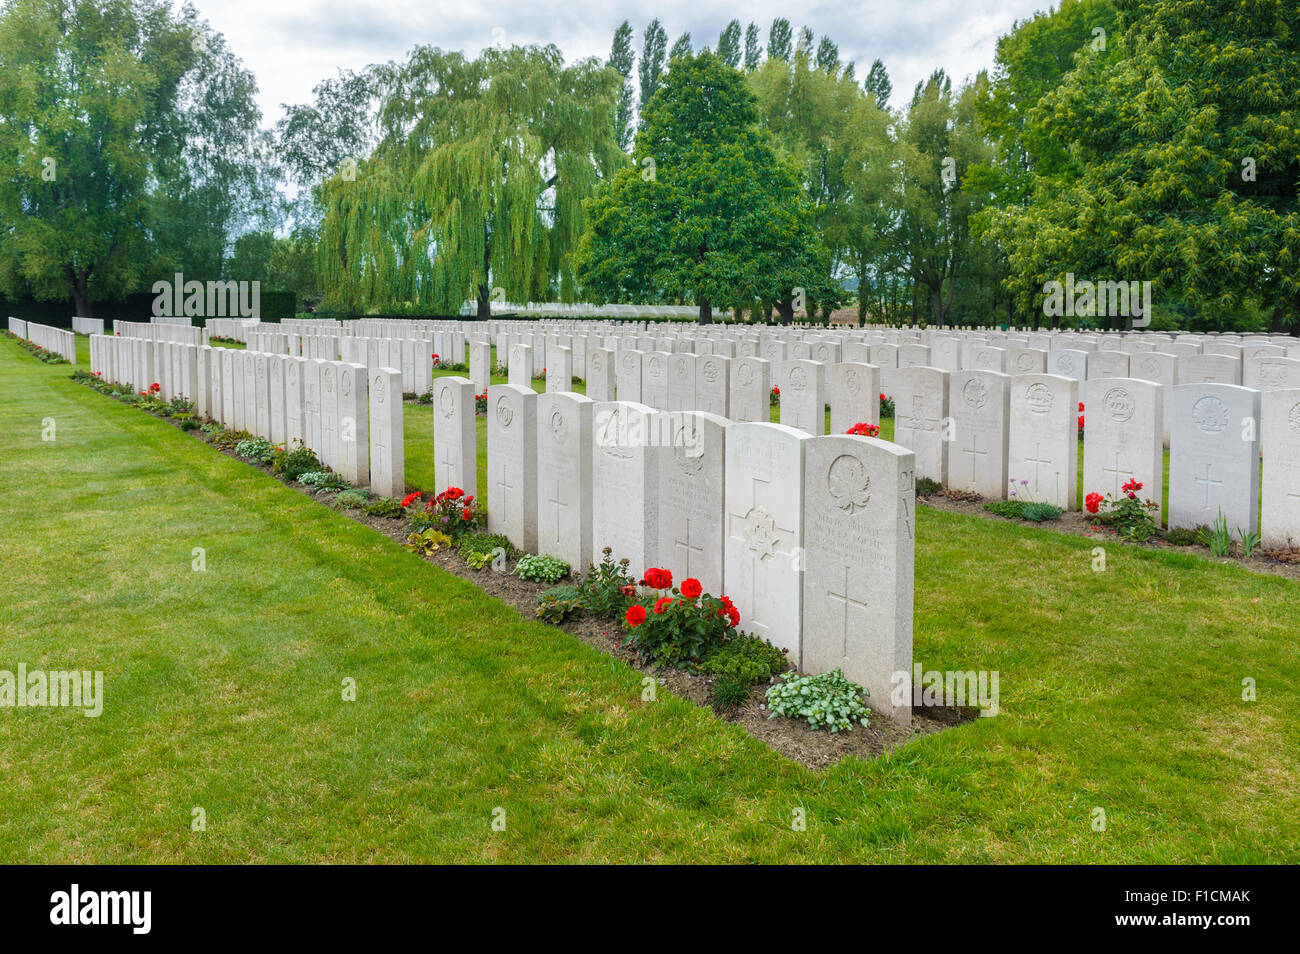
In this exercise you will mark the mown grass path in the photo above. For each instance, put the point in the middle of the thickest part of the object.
(1119, 690)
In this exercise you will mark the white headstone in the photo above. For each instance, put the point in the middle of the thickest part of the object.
(921, 419)
(1043, 448)
(387, 439)
(1124, 437)
(1280, 432)
(512, 464)
(691, 497)
(980, 406)
(625, 482)
(564, 451)
(855, 395)
(454, 445)
(859, 523)
(1214, 456)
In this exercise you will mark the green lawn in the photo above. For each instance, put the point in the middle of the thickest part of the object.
(1119, 690)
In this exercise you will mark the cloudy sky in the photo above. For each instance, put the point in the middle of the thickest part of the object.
(290, 45)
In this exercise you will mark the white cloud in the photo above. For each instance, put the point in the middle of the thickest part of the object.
(291, 45)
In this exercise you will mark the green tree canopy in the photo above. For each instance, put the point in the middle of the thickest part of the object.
(710, 213)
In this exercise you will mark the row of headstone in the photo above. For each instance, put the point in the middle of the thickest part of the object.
(812, 537)
(88, 326)
(159, 331)
(58, 341)
(349, 415)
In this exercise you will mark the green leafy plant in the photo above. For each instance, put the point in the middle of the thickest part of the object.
(556, 605)
(229, 440)
(539, 568)
(323, 480)
(1024, 510)
(292, 463)
(826, 701)
(1249, 541)
(480, 549)
(745, 657)
(427, 541)
(886, 406)
(255, 449)
(384, 507)
(353, 499)
(1217, 537)
(607, 589)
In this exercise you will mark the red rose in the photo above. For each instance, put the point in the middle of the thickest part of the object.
(410, 499)
(663, 603)
(658, 578)
(1092, 502)
(734, 615)
(635, 615)
(466, 514)
(691, 588)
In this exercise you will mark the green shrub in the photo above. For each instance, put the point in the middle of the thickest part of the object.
(729, 692)
(480, 549)
(1024, 510)
(255, 449)
(745, 657)
(1186, 536)
(384, 507)
(352, 499)
(323, 480)
(556, 605)
(291, 463)
(826, 701)
(229, 440)
(927, 487)
(607, 589)
(541, 569)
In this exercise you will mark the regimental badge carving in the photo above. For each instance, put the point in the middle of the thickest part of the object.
(630, 362)
(710, 371)
(799, 379)
(380, 388)
(1148, 366)
(505, 413)
(327, 382)
(597, 361)
(1294, 419)
(1039, 398)
(447, 402)
(848, 484)
(984, 359)
(759, 532)
(688, 451)
(345, 384)
(852, 381)
(1210, 415)
(1119, 404)
(559, 425)
(656, 367)
(745, 375)
(1025, 361)
(1272, 375)
(1065, 363)
(975, 393)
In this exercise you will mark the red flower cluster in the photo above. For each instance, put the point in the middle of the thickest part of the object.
(657, 578)
(1131, 488)
(864, 430)
(411, 498)
(155, 388)
(1080, 417)
(883, 397)
(692, 588)
(635, 615)
(663, 603)
(776, 391)
(729, 608)
(1093, 502)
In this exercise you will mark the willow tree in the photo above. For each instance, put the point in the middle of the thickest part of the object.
(476, 185)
